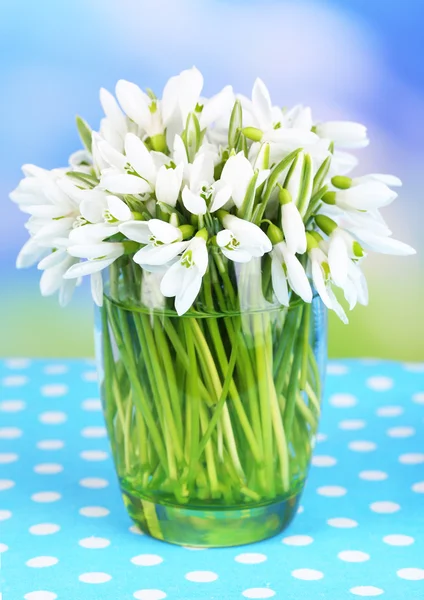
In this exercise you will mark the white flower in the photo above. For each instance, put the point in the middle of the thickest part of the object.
(163, 241)
(293, 228)
(237, 175)
(203, 193)
(355, 288)
(140, 108)
(286, 267)
(344, 134)
(320, 271)
(184, 278)
(378, 242)
(366, 195)
(390, 180)
(54, 266)
(342, 247)
(168, 183)
(241, 240)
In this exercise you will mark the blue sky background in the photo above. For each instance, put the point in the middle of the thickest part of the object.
(353, 59)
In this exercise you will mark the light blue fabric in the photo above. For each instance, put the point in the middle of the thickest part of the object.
(369, 459)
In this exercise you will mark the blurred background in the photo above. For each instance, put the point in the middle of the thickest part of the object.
(349, 59)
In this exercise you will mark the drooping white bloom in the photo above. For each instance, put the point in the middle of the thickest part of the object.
(387, 179)
(183, 279)
(168, 183)
(320, 272)
(367, 195)
(203, 193)
(163, 241)
(294, 228)
(241, 240)
(344, 134)
(342, 247)
(377, 242)
(237, 175)
(287, 269)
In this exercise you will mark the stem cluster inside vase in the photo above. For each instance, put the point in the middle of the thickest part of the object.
(215, 408)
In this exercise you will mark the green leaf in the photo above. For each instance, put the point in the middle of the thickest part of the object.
(321, 174)
(313, 204)
(169, 210)
(89, 180)
(305, 186)
(246, 209)
(84, 131)
(235, 126)
(272, 182)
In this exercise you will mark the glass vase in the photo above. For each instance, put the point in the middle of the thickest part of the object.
(211, 415)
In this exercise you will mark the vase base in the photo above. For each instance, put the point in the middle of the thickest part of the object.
(214, 527)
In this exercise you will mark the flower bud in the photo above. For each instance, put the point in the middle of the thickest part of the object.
(252, 133)
(187, 231)
(341, 182)
(275, 234)
(326, 224)
(311, 242)
(284, 196)
(329, 198)
(202, 234)
(158, 142)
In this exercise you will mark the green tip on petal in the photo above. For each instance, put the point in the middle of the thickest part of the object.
(341, 182)
(275, 234)
(358, 251)
(203, 233)
(326, 224)
(252, 133)
(326, 268)
(329, 198)
(284, 196)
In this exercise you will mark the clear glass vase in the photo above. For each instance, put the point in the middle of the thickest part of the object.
(212, 415)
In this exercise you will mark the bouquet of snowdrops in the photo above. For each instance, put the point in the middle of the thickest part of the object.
(236, 215)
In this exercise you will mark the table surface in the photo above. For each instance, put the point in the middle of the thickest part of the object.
(64, 532)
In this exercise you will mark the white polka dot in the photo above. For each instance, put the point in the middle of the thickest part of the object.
(332, 491)
(89, 376)
(321, 437)
(6, 484)
(14, 380)
(385, 507)
(94, 432)
(94, 483)
(17, 363)
(56, 369)
(362, 446)
(12, 405)
(250, 558)
(258, 593)
(3, 548)
(411, 574)
(389, 411)
(343, 400)
(46, 497)
(149, 595)
(323, 461)
(414, 367)
(366, 590)
(48, 468)
(401, 432)
(52, 417)
(39, 562)
(136, 530)
(201, 576)
(300, 510)
(10, 433)
(94, 577)
(352, 424)
(8, 457)
(50, 444)
(353, 556)
(91, 404)
(418, 487)
(373, 475)
(398, 539)
(342, 523)
(413, 458)
(337, 369)
(307, 574)
(54, 389)
(44, 529)
(94, 542)
(380, 383)
(298, 540)
(418, 398)
(94, 455)
(146, 560)
(40, 595)
(94, 511)
(5, 514)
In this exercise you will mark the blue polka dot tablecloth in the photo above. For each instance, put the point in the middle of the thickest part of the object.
(65, 534)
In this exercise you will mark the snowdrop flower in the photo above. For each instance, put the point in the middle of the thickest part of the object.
(163, 241)
(355, 288)
(237, 175)
(378, 242)
(292, 223)
(344, 134)
(299, 181)
(202, 193)
(366, 195)
(241, 240)
(265, 121)
(184, 278)
(54, 267)
(320, 273)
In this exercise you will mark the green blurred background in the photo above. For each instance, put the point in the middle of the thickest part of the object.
(350, 59)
